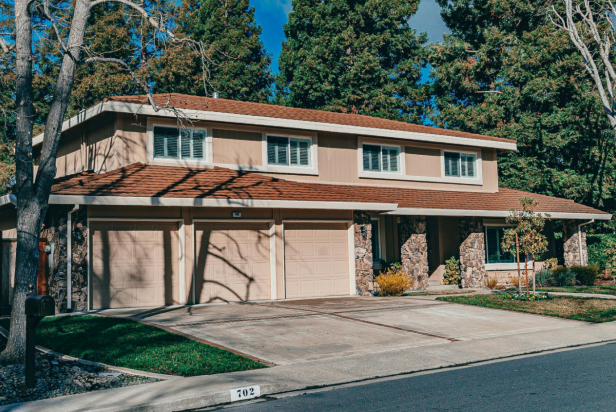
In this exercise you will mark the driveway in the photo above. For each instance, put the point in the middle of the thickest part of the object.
(296, 331)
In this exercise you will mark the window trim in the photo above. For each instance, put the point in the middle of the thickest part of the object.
(380, 174)
(478, 179)
(207, 147)
(501, 266)
(312, 169)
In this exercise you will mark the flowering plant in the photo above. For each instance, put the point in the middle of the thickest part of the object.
(530, 297)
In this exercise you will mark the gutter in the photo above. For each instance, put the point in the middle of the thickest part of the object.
(580, 240)
(69, 258)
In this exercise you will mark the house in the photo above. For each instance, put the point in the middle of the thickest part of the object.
(243, 201)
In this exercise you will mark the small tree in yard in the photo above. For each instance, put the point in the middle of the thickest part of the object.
(525, 235)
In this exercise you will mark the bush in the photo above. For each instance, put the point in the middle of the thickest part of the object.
(544, 277)
(602, 251)
(585, 275)
(394, 282)
(562, 276)
(452, 271)
(492, 282)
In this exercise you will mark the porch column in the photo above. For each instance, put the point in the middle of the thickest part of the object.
(414, 249)
(363, 253)
(571, 244)
(472, 253)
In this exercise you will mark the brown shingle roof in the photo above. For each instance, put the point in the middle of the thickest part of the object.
(189, 102)
(139, 180)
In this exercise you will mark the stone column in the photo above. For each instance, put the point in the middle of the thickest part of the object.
(363, 253)
(414, 249)
(57, 233)
(472, 253)
(571, 244)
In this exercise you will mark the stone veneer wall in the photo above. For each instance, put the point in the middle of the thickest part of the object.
(571, 244)
(414, 249)
(472, 253)
(57, 233)
(363, 253)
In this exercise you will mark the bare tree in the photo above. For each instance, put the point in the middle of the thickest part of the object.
(591, 27)
(33, 193)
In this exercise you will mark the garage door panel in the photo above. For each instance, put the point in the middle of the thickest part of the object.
(134, 264)
(316, 259)
(229, 255)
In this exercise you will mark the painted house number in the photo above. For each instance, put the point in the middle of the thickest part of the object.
(248, 392)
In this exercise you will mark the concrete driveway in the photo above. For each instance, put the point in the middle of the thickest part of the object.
(296, 331)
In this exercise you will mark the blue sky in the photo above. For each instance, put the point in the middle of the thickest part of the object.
(272, 14)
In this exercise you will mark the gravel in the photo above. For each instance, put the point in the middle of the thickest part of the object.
(67, 378)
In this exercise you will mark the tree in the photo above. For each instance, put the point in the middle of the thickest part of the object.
(525, 235)
(239, 71)
(505, 71)
(352, 56)
(591, 27)
(32, 192)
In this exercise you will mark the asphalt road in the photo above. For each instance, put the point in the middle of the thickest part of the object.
(575, 380)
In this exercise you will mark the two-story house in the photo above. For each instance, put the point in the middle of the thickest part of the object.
(245, 201)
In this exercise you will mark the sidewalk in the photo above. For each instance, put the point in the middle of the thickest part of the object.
(203, 391)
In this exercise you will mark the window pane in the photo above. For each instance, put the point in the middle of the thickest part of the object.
(452, 164)
(166, 142)
(277, 150)
(371, 158)
(376, 250)
(185, 144)
(468, 165)
(390, 159)
(494, 252)
(198, 144)
(300, 152)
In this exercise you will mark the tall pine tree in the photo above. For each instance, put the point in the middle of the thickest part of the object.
(507, 72)
(352, 56)
(239, 67)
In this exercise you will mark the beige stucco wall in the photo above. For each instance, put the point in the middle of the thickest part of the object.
(237, 147)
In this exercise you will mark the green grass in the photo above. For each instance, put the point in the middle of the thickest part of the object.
(568, 307)
(603, 290)
(134, 345)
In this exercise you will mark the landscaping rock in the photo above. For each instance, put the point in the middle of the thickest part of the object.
(67, 378)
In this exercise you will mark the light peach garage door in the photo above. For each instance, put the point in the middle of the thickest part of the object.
(233, 262)
(316, 260)
(134, 264)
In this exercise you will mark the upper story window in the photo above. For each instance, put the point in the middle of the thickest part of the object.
(176, 143)
(288, 151)
(460, 164)
(377, 158)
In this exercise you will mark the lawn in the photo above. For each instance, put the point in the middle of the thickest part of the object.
(443, 292)
(604, 290)
(134, 345)
(569, 307)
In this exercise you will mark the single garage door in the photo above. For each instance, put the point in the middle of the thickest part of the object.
(233, 262)
(316, 259)
(134, 264)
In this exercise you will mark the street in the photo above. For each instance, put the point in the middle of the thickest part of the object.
(571, 380)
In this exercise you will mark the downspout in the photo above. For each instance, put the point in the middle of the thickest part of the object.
(580, 240)
(69, 259)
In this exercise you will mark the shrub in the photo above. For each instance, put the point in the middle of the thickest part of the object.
(585, 275)
(562, 276)
(452, 271)
(513, 281)
(550, 263)
(602, 251)
(393, 281)
(492, 282)
(544, 277)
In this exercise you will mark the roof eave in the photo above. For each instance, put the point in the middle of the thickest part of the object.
(492, 213)
(135, 108)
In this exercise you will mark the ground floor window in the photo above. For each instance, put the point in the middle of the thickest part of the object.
(494, 252)
(376, 241)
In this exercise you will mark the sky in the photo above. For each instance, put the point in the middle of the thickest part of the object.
(272, 14)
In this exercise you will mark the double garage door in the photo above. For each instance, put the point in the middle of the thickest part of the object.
(137, 263)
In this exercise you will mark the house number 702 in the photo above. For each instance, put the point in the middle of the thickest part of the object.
(248, 392)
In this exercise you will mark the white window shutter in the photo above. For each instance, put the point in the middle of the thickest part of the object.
(390, 159)
(198, 144)
(371, 158)
(185, 145)
(277, 150)
(166, 142)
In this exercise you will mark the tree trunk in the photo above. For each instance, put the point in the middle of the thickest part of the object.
(526, 271)
(517, 254)
(33, 198)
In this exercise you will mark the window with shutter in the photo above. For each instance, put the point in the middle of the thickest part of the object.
(372, 155)
(166, 142)
(192, 146)
(300, 152)
(452, 164)
(468, 165)
(390, 158)
(278, 150)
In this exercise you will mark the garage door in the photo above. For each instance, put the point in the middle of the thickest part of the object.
(316, 260)
(134, 264)
(233, 262)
